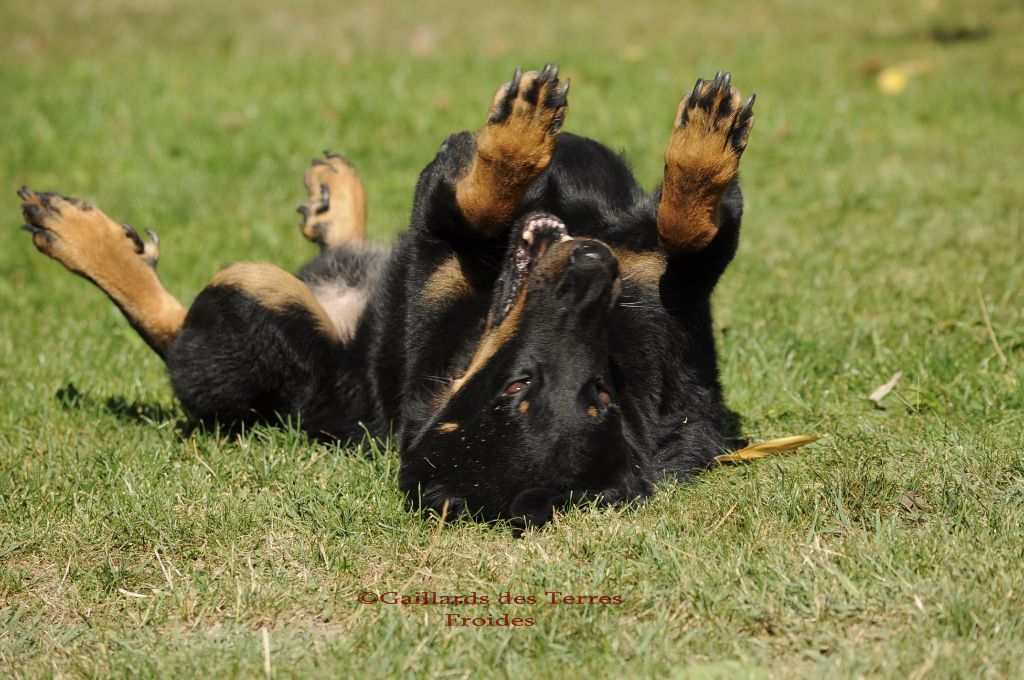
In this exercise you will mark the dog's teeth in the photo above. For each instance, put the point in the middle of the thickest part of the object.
(565, 237)
(528, 236)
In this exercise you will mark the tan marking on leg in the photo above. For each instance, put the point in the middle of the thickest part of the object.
(112, 256)
(448, 282)
(512, 150)
(447, 428)
(701, 162)
(336, 211)
(275, 289)
(642, 266)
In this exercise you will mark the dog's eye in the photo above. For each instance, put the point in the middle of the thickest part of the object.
(517, 386)
(604, 397)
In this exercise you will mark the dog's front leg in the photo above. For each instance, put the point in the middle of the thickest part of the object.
(512, 150)
(701, 164)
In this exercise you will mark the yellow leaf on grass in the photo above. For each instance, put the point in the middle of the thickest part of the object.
(768, 448)
(894, 79)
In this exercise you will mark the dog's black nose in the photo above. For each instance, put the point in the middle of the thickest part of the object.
(590, 255)
(591, 271)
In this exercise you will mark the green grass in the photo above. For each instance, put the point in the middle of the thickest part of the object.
(877, 227)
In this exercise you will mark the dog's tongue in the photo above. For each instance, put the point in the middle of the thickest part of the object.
(540, 232)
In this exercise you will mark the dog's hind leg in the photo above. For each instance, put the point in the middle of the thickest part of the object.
(335, 212)
(256, 344)
(111, 255)
(701, 165)
(513, 149)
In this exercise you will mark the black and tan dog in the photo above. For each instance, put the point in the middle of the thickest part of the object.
(541, 334)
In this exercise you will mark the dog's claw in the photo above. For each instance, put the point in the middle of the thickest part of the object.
(696, 90)
(151, 252)
(513, 88)
(548, 76)
(130, 232)
(328, 155)
(741, 127)
(325, 200)
(38, 233)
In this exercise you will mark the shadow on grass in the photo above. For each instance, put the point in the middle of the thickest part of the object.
(734, 430)
(140, 412)
(151, 414)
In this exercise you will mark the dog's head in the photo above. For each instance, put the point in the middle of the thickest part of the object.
(535, 421)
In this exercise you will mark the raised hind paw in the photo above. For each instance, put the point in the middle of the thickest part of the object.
(81, 237)
(335, 212)
(113, 256)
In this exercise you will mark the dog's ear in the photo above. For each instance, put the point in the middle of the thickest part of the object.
(437, 499)
(535, 507)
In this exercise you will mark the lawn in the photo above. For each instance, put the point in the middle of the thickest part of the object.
(883, 234)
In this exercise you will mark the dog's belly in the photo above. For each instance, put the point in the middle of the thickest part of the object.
(344, 305)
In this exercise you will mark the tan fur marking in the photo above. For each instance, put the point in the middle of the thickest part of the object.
(448, 282)
(700, 163)
(275, 289)
(343, 305)
(592, 412)
(90, 244)
(524, 406)
(510, 155)
(447, 428)
(345, 218)
(552, 266)
(643, 266)
(493, 341)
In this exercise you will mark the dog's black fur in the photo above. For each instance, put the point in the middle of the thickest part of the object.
(600, 386)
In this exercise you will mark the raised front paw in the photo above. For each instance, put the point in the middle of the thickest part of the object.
(711, 116)
(710, 134)
(514, 148)
(531, 104)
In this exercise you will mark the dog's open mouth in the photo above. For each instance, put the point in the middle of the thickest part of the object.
(539, 233)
